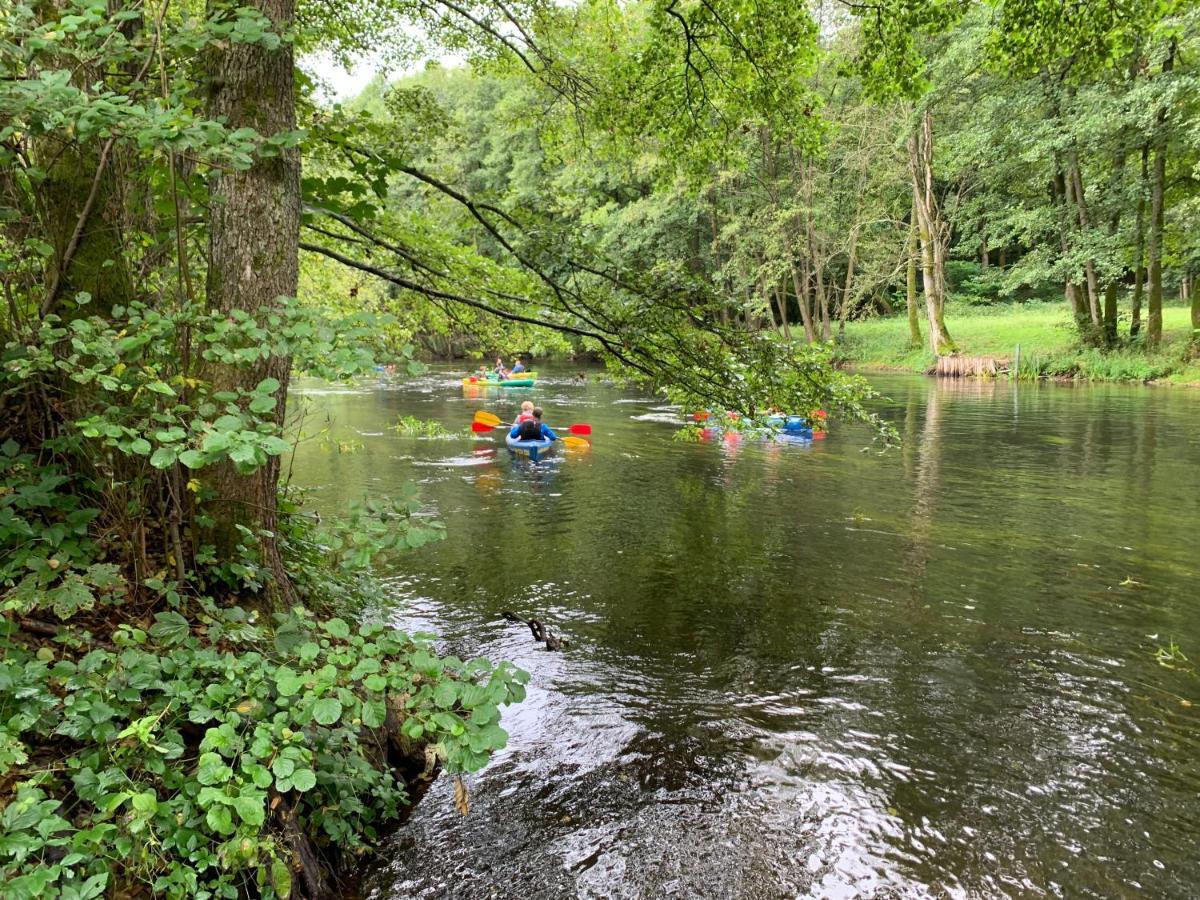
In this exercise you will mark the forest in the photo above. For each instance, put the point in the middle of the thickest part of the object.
(715, 199)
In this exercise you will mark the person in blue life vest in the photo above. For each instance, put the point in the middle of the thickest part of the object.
(517, 369)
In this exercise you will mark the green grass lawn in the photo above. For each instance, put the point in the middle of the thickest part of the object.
(1047, 338)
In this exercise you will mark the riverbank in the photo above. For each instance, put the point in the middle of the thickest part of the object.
(1046, 336)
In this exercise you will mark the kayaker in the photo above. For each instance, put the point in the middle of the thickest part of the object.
(525, 413)
(518, 367)
(500, 370)
(545, 429)
(533, 429)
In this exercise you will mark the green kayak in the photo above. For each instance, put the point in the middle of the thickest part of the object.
(527, 380)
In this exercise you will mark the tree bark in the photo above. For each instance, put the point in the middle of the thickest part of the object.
(780, 291)
(851, 259)
(1077, 195)
(1114, 222)
(1158, 180)
(914, 321)
(1058, 189)
(818, 271)
(253, 259)
(930, 234)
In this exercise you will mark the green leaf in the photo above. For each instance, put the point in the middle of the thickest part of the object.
(374, 713)
(160, 387)
(304, 780)
(220, 819)
(146, 802)
(262, 404)
(251, 807)
(327, 710)
(140, 446)
(164, 457)
(375, 683)
(337, 628)
(193, 459)
(287, 682)
(212, 769)
(281, 878)
(170, 628)
(445, 694)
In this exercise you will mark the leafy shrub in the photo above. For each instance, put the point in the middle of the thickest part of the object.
(411, 426)
(174, 756)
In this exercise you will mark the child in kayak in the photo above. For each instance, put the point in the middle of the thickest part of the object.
(525, 413)
(533, 429)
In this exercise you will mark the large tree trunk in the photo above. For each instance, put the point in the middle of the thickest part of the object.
(1058, 189)
(930, 232)
(253, 257)
(800, 286)
(818, 271)
(1158, 180)
(780, 291)
(1114, 222)
(1078, 197)
(1195, 298)
(914, 321)
(850, 261)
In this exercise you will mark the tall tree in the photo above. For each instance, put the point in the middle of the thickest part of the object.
(253, 262)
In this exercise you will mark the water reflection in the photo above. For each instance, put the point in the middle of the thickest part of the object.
(809, 671)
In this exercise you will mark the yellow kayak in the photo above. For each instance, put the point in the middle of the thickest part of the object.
(526, 380)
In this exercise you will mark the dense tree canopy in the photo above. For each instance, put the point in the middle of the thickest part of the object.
(700, 193)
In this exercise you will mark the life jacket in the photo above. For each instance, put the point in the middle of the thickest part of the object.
(524, 417)
(531, 430)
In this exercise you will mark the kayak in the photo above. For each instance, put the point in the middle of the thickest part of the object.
(532, 449)
(793, 425)
(527, 380)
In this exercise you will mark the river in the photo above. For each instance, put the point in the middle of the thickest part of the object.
(806, 670)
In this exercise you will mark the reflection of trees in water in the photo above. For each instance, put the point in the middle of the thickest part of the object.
(926, 463)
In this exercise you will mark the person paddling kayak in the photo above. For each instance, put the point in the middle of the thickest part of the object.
(533, 429)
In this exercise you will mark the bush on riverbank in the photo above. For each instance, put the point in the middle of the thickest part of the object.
(200, 749)
(1046, 334)
(170, 723)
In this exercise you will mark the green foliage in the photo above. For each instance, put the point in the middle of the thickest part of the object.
(411, 426)
(164, 758)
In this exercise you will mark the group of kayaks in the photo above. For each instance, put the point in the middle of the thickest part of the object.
(773, 425)
(769, 426)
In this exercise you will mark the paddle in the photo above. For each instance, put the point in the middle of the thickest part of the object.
(486, 421)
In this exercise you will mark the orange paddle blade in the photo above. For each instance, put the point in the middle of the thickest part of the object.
(487, 418)
(577, 443)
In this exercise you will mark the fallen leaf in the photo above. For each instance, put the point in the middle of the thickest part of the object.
(462, 802)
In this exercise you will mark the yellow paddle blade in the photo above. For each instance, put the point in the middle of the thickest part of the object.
(487, 418)
(576, 442)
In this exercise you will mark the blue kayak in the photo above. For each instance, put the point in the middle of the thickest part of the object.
(532, 449)
(797, 425)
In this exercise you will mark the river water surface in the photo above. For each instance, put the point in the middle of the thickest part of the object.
(806, 670)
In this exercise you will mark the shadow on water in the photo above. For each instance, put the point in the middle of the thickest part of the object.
(808, 670)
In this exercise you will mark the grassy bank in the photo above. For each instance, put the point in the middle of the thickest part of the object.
(1048, 344)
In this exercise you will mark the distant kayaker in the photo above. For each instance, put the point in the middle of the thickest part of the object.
(518, 367)
(500, 370)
